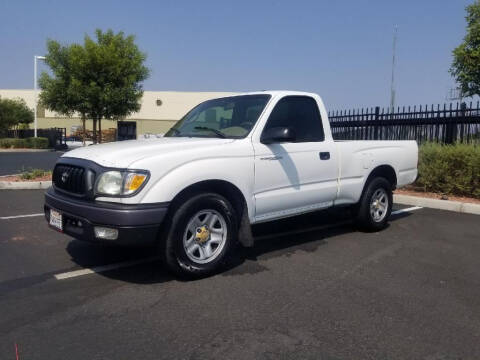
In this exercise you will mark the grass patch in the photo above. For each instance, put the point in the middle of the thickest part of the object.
(34, 174)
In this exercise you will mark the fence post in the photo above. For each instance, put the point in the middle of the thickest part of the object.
(451, 126)
(446, 125)
(463, 114)
(375, 128)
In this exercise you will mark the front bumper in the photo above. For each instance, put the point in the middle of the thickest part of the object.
(137, 224)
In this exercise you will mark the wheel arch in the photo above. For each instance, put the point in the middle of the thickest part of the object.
(385, 171)
(230, 192)
(222, 187)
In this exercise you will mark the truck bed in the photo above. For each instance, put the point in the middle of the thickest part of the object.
(358, 157)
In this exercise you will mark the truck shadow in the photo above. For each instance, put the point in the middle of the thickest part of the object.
(282, 238)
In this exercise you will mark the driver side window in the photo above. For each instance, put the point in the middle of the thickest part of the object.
(299, 113)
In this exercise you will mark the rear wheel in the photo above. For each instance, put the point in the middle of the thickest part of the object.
(375, 205)
(200, 236)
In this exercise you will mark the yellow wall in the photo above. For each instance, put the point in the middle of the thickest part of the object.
(154, 126)
(152, 117)
(143, 126)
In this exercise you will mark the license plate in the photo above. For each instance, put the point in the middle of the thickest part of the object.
(56, 220)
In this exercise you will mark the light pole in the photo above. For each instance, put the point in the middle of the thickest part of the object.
(35, 58)
(392, 86)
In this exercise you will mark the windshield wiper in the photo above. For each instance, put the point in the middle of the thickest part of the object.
(215, 131)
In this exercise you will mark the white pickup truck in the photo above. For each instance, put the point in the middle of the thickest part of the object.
(229, 163)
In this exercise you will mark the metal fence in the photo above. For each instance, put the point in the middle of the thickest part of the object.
(55, 136)
(445, 124)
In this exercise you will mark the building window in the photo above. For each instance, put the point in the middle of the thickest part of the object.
(159, 102)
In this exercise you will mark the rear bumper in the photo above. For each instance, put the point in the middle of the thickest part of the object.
(137, 224)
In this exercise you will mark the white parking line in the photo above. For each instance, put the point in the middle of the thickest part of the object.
(103, 268)
(406, 210)
(20, 216)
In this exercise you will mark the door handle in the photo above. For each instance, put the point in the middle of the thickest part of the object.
(324, 155)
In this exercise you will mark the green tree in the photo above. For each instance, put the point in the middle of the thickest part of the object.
(466, 57)
(101, 79)
(14, 114)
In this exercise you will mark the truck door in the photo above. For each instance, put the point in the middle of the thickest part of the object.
(297, 176)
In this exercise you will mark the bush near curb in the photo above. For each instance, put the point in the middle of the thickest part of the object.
(450, 169)
(34, 174)
(31, 143)
(37, 143)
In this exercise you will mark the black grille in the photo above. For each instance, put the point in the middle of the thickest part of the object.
(69, 178)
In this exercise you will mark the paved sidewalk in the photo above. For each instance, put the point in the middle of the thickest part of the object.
(457, 206)
(23, 150)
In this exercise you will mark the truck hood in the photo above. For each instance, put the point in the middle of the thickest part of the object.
(123, 153)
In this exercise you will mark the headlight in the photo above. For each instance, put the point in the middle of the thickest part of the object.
(110, 183)
(120, 183)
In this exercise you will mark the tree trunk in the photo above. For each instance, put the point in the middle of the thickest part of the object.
(84, 129)
(94, 120)
(100, 130)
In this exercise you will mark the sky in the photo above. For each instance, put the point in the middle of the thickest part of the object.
(341, 49)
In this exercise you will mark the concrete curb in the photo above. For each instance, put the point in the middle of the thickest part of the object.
(467, 208)
(24, 185)
(25, 150)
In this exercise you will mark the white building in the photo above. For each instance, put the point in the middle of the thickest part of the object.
(158, 112)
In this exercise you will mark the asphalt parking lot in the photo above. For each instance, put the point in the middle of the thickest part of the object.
(305, 291)
(17, 162)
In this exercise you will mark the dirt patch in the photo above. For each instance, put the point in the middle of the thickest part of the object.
(430, 195)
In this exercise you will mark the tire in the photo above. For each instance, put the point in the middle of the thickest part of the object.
(375, 206)
(206, 224)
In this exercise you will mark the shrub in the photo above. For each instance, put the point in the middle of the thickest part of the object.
(12, 143)
(4, 143)
(36, 143)
(450, 169)
(33, 174)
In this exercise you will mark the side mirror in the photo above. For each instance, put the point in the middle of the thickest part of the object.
(278, 135)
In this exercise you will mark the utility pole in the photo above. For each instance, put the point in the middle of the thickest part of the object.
(392, 87)
(35, 58)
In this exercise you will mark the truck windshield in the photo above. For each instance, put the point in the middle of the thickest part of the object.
(230, 117)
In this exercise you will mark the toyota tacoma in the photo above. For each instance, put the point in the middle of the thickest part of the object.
(229, 163)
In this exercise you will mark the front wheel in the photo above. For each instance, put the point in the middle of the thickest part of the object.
(375, 205)
(200, 236)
